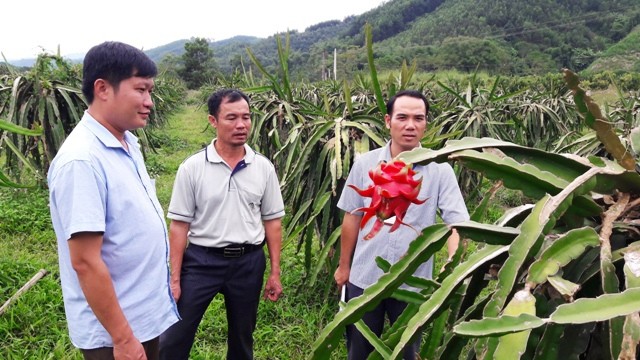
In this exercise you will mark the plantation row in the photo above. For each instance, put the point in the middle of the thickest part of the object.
(567, 252)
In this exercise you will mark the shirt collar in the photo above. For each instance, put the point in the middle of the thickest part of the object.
(104, 135)
(385, 154)
(214, 157)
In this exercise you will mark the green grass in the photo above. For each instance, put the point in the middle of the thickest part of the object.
(34, 326)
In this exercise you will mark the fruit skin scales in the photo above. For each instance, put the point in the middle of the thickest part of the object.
(393, 190)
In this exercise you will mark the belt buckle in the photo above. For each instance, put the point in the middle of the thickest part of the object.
(233, 252)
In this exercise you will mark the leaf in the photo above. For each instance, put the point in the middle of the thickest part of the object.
(437, 299)
(5, 125)
(6, 182)
(372, 67)
(301, 210)
(408, 296)
(431, 239)
(365, 129)
(324, 254)
(529, 179)
(494, 326)
(561, 252)
(564, 287)
(514, 216)
(487, 233)
(438, 331)
(631, 336)
(530, 233)
(549, 345)
(602, 308)
(594, 119)
(634, 136)
(377, 344)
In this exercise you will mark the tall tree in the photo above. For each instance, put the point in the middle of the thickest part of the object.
(199, 65)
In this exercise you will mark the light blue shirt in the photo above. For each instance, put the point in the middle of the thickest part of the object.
(98, 186)
(439, 187)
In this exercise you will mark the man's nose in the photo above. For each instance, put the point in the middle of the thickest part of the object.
(148, 101)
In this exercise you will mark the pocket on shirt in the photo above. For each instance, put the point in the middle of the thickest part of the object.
(253, 203)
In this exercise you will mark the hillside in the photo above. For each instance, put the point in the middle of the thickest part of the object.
(500, 36)
(624, 55)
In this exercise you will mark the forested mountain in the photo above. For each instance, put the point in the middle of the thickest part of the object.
(498, 36)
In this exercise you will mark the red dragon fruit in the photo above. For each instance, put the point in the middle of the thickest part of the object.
(393, 190)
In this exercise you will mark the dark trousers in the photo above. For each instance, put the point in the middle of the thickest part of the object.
(106, 353)
(205, 274)
(358, 347)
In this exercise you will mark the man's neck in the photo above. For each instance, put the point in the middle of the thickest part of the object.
(396, 150)
(230, 154)
(97, 115)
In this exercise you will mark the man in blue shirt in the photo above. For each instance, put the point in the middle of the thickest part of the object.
(112, 237)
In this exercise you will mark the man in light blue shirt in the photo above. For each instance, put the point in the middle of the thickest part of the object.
(112, 237)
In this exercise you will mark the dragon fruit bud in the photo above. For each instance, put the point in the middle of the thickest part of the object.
(393, 190)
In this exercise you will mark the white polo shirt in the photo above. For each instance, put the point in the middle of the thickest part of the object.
(225, 206)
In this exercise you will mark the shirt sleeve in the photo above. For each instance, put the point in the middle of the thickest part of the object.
(78, 195)
(272, 206)
(182, 206)
(450, 200)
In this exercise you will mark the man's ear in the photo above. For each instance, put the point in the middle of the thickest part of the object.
(101, 89)
(387, 121)
(213, 121)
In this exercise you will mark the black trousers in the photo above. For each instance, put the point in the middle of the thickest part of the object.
(358, 347)
(106, 353)
(204, 275)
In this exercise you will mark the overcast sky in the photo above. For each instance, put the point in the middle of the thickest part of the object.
(74, 25)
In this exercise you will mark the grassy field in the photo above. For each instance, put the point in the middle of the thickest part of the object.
(34, 326)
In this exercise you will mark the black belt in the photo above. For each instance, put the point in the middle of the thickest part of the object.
(234, 250)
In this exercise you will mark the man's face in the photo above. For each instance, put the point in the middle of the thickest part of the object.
(130, 103)
(233, 123)
(407, 123)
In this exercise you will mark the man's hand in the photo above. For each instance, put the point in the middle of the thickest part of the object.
(273, 288)
(176, 291)
(341, 275)
(129, 349)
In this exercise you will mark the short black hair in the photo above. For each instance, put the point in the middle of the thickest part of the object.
(114, 62)
(411, 93)
(232, 95)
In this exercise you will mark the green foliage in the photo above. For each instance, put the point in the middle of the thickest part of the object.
(469, 53)
(549, 255)
(622, 55)
(168, 95)
(24, 211)
(46, 99)
(198, 63)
